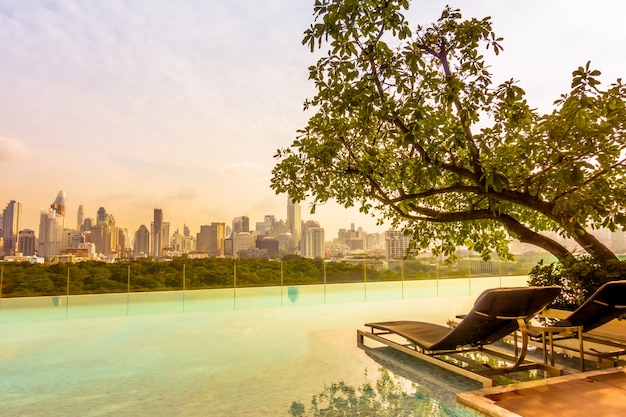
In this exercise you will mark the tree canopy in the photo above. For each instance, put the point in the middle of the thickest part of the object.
(409, 126)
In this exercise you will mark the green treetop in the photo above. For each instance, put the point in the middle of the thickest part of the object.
(408, 126)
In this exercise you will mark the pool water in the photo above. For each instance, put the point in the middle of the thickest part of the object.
(253, 361)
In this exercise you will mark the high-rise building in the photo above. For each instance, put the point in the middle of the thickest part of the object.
(11, 224)
(312, 243)
(26, 241)
(50, 233)
(240, 224)
(156, 234)
(211, 239)
(141, 245)
(265, 228)
(294, 221)
(243, 241)
(102, 217)
(59, 205)
(87, 224)
(397, 244)
(72, 239)
(80, 217)
(269, 245)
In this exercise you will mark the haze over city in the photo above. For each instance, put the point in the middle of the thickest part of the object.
(181, 105)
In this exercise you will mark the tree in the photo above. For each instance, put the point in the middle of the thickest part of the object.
(410, 127)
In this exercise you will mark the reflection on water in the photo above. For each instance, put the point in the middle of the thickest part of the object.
(389, 395)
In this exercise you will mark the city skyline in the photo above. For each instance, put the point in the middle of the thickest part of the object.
(181, 105)
(72, 217)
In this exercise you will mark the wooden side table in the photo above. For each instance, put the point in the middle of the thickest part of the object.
(547, 338)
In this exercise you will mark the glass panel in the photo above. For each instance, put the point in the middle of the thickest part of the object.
(515, 281)
(92, 306)
(345, 293)
(383, 291)
(304, 295)
(262, 297)
(420, 289)
(478, 285)
(166, 302)
(209, 300)
(17, 310)
(453, 287)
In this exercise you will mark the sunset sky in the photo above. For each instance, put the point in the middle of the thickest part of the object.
(181, 105)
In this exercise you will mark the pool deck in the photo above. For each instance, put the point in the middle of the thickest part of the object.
(601, 392)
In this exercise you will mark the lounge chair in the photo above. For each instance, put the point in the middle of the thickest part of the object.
(496, 313)
(606, 304)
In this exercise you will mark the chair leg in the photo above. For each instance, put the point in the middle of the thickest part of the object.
(524, 330)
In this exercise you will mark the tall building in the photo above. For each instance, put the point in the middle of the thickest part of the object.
(59, 205)
(71, 239)
(243, 241)
(50, 233)
(26, 241)
(156, 234)
(265, 228)
(141, 245)
(312, 243)
(211, 239)
(80, 217)
(11, 224)
(240, 224)
(397, 244)
(101, 217)
(294, 222)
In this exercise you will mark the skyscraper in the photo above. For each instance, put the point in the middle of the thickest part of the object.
(294, 221)
(240, 224)
(141, 244)
(11, 223)
(27, 242)
(101, 218)
(211, 239)
(59, 206)
(80, 217)
(50, 233)
(313, 245)
(156, 234)
(59, 203)
(397, 244)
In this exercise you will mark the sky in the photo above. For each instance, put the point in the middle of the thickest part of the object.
(181, 105)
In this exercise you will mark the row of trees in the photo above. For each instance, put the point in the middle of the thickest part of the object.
(92, 277)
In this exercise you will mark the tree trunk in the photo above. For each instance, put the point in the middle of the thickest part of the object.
(592, 245)
(527, 235)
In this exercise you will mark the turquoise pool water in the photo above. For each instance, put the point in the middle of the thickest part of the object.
(258, 352)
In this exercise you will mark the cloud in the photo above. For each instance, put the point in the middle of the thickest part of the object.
(12, 150)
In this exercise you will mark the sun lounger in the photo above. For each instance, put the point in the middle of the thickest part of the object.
(606, 304)
(496, 313)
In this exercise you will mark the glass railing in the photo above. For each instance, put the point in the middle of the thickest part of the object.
(28, 280)
(62, 307)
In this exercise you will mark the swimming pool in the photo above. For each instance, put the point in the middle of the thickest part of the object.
(249, 354)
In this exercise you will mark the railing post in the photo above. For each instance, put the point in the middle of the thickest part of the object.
(324, 271)
(128, 291)
(364, 280)
(67, 293)
(402, 277)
